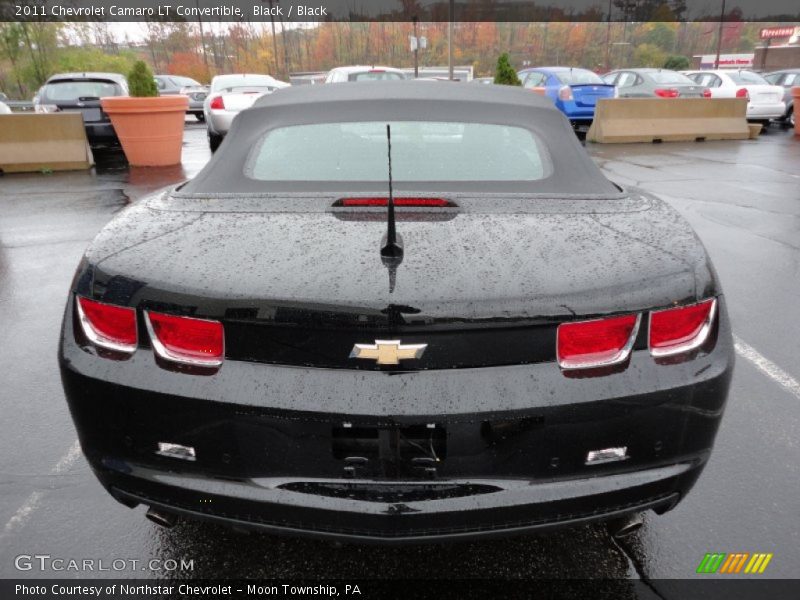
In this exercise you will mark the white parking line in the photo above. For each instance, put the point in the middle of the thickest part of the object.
(24, 512)
(766, 366)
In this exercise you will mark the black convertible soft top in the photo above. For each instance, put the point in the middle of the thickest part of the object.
(573, 172)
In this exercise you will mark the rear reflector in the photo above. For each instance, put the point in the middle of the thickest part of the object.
(108, 326)
(186, 340)
(414, 202)
(596, 343)
(706, 93)
(677, 330)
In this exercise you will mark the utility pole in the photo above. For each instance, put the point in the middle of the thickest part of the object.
(285, 49)
(608, 38)
(719, 35)
(416, 48)
(450, 11)
(274, 38)
(203, 42)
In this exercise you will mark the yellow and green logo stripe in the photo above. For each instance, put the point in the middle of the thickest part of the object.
(733, 563)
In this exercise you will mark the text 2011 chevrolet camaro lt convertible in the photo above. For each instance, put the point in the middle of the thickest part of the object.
(397, 311)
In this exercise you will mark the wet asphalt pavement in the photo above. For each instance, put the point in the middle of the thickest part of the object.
(743, 198)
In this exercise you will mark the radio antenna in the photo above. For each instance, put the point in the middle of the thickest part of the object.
(392, 246)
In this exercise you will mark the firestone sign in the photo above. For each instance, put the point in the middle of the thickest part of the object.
(777, 32)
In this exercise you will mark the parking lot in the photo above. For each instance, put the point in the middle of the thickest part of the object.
(742, 198)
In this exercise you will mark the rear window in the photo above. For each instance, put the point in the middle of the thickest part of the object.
(579, 77)
(421, 151)
(71, 91)
(670, 77)
(747, 77)
(376, 76)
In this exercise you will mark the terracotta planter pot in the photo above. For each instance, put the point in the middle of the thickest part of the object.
(796, 96)
(149, 129)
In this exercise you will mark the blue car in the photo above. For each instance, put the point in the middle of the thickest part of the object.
(574, 91)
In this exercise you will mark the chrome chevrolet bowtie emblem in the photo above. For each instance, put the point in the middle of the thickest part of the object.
(388, 352)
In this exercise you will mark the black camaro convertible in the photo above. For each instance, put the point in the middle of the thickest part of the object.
(397, 311)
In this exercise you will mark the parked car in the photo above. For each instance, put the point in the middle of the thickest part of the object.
(81, 92)
(654, 83)
(787, 79)
(170, 85)
(364, 73)
(574, 91)
(506, 342)
(764, 101)
(228, 96)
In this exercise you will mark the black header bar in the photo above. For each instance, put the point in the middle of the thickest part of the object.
(778, 11)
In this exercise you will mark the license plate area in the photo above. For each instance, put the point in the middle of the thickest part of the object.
(393, 451)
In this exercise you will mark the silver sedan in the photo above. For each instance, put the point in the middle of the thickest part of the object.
(231, 94)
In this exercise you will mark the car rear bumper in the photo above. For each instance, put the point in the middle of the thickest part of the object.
(101, 135)
(512, 507)
(219, 121)
(772, 110)
(404, 457)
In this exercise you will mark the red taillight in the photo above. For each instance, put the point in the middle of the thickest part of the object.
(186, 340)
(217, 103)
(565, 93)
(667, 93)
(706, 93)
(596, 343)
(743, 93)
(108, 326)
(678, 330)
(418, 202)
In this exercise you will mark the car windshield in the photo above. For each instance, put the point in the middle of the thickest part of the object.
(421, 151)
(242, 81)
(377, 75)
(745, 77)
(71, 91)
(670, 78)
(579, 77)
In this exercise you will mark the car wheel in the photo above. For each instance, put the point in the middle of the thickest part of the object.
(214, 140)
(200, 117)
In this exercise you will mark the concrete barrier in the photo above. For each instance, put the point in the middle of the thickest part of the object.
(39, 142)
(625, 120)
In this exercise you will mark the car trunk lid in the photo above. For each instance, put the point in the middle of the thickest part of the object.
(588, 94)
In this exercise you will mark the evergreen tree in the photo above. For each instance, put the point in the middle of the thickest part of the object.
(141, 83)
(505, 73)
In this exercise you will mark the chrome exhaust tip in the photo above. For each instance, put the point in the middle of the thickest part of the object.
(163, 519)
(625, 526)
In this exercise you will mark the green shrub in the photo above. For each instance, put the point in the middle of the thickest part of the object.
(676, 63)
(140, 81)
(505, 73)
